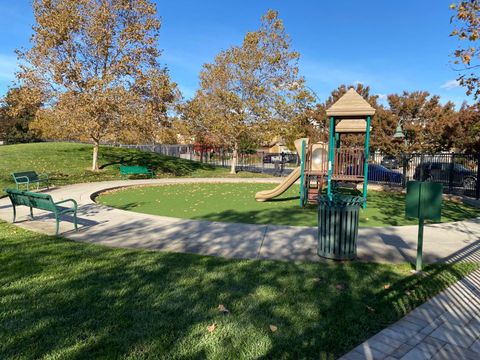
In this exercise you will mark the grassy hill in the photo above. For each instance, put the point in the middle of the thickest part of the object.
(68, 163)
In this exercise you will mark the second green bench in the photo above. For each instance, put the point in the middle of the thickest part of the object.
(136, 170)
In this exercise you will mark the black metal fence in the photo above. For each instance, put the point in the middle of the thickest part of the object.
(458, 173)
(277, 164)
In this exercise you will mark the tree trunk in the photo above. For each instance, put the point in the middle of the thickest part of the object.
(96, 145)
(234, 159)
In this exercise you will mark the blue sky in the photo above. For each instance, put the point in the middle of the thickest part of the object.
(390, 45)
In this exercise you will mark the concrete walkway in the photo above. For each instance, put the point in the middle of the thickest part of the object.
(118, 228)
(445, 327)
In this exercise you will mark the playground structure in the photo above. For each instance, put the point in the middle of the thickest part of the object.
(329, 164)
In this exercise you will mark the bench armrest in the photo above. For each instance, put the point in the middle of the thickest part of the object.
(68, 200)
(43, 175)
(17, 179)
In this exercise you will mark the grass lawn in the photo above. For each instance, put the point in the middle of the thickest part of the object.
(236, 203)
(69, 163)
(65, 300)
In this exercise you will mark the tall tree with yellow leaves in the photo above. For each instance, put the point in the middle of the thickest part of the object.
(95, 64)
(253, 90)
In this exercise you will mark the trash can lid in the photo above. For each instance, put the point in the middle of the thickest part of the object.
(340, 200)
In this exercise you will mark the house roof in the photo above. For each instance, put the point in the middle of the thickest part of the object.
(351, 104)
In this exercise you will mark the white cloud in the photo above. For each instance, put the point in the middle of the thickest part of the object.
(382, 96)
(450, 84)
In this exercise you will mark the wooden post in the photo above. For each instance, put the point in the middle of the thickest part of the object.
(331, 155)
(365, 163)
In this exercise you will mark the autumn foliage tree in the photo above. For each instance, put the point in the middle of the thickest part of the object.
(424, 120)
(253, 90)
(465, 129)
(95, 64)
(16, 116)
(466, 22)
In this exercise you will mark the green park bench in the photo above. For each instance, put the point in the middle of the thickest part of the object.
(29, 177)
(135, 170)
(43, 202)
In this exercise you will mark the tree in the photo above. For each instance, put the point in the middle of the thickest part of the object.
(16, 116)
(465, 130)
(467, 30)
(95, 63)
(253, 89)
(425, 121)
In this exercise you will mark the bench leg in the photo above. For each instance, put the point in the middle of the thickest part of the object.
(31, 212)
(14, 213)
(57, 226)
(75, 220)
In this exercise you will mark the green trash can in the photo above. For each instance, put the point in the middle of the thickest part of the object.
(338, 226)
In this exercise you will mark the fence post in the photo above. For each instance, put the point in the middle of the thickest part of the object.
(450, 172)
(477, 188)
(263, 164)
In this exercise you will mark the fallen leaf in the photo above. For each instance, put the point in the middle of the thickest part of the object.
(273, 328)
(386, 286)
(370, 308)
(223, 309)
(211, 328)
(339, 286)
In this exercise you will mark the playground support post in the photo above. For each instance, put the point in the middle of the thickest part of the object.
(302, 174)
(331, 156)
(365, 163)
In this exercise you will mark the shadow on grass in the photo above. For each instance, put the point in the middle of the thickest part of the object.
(100, 302)
(159, 163)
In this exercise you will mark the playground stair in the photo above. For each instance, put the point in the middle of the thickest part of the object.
(314, 188)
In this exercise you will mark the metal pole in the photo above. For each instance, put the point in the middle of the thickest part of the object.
(477, 188)
(331, 156)
(450, 172)
(404, 164)
(302, 175)
(419, 262)
(365, 163)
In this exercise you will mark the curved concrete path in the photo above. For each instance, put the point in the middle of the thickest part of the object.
(100, 224)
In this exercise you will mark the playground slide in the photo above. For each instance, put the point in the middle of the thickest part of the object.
(281, 188)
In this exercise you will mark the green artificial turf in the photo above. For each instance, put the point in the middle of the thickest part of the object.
(236, 203)
(69, 163)
(65, 300)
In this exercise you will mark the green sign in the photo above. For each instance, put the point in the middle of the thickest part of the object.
(424, 201)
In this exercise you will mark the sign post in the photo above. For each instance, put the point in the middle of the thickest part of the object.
(424, 202)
